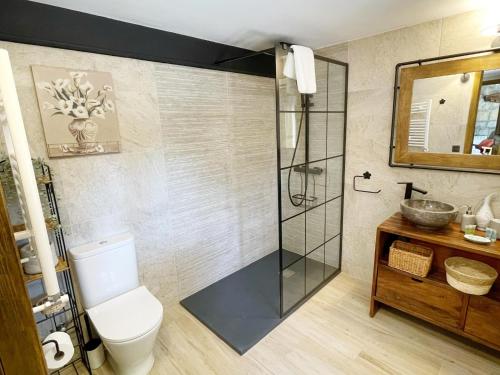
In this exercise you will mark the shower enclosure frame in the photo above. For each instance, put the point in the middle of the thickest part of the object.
(309, 294)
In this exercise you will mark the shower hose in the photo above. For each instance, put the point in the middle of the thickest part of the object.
(302, 199)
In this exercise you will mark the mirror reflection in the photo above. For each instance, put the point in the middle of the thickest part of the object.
(456, 113)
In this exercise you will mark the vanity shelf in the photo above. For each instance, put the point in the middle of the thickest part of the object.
(431, 298)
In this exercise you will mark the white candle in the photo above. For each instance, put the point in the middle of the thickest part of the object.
(18, 143)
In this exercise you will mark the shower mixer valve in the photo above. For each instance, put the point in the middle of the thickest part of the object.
(313, 171)
(302, 196)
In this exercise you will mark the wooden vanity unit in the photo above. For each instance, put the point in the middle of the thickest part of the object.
(431, 298)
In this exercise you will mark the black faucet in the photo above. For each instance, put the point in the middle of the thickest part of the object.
(410, 188)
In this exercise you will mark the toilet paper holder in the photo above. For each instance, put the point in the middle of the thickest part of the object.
(59, 353)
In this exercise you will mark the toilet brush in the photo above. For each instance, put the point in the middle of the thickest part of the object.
(93, 347)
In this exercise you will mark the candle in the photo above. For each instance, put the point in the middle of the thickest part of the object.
(18, 149)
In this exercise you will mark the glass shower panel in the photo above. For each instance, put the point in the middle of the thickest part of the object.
(333, 218)
(289, 96)
(292, 185)
(293, 284)
(335, 135)
(315, 268)
(336, 87)
(316, 184)
(317, 136)
(315, 228)
(292, 135)
(334, 176)
(294, 239)
(332, 256)
(319, 98)
(311, 181)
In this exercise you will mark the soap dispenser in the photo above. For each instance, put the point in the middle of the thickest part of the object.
(467, 219)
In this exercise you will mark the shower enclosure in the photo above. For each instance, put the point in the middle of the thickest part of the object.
(246, 305)
(311, 142)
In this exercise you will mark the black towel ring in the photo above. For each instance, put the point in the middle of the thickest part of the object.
(367, 175)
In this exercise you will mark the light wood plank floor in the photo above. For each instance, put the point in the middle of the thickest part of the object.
(331, 334)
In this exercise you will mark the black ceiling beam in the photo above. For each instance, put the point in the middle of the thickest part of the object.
(45, 25)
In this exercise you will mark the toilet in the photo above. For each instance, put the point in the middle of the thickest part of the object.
(126, 315)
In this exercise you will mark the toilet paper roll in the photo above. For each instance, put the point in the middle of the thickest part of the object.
(65, 345)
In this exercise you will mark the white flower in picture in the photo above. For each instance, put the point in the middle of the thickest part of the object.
(99, 112)
(85, 88)
(78, 111)
(60, 84)
(64, 106)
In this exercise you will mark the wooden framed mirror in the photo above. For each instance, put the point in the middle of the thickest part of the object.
(447, 113)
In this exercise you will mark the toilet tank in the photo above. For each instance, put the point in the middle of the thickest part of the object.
(105, 269)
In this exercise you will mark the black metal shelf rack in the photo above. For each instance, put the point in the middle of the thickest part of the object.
(68, 319)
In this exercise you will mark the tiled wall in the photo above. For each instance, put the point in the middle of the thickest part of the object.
(371, 78)
(219, 133)
(196, 179)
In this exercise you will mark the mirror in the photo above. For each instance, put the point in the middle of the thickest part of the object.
(447, 115)
(456, 113)
(484, 135)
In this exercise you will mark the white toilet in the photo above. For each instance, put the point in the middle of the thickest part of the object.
(126, 315)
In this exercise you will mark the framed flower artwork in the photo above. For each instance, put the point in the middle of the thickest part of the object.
(78, 111)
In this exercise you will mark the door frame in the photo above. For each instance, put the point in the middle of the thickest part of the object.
(20, 348)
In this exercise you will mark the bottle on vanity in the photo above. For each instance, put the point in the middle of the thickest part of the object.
(467, 219)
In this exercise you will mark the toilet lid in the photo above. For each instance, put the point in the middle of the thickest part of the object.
(128, 316)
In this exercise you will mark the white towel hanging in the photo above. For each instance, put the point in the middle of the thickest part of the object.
(289, 69)
(301, 68)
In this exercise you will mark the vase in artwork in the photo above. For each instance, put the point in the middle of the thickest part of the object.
(485, 214)
(84, 131)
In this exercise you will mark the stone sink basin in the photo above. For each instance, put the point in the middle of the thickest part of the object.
(428, 214)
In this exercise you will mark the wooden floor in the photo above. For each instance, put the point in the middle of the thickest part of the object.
(331, 334)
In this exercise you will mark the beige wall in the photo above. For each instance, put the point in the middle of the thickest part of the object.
(371, 78)
(196, 179)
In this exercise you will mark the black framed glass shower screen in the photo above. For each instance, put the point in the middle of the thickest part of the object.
(310, 208)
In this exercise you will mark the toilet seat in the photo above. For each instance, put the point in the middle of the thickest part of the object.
(128, 316)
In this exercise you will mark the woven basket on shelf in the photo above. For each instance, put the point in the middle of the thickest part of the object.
(411, 258)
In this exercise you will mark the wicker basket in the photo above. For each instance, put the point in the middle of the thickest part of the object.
(411, 258)
(470, 276)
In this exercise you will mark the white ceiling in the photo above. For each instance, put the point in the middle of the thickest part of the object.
(257, 24)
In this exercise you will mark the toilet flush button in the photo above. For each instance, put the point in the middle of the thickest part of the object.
(103, 242)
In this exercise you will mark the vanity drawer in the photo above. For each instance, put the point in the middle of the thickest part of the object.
(483, 316)
(429, 300)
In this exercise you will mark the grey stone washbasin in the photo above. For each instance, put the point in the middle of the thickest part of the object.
(428, 214)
